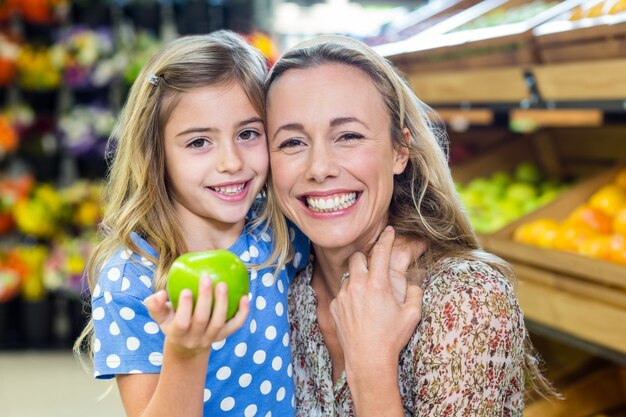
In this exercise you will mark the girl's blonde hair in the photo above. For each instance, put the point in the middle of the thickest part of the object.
(136, 195)
(424, 204)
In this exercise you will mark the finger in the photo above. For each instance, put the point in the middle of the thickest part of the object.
(182, 317)
(238, 319)
(220, 307)
(380, 255)
(414, 301)
(202, 310)
(157, 306)
(357, 266)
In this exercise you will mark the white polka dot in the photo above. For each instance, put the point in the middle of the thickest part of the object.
(227, 404)
(145, 261)
(293, 400)
(252, 326)
(135, 371)
(250, 411)
(280, 394)
(286, 340)
(279, 309)
(260, 303)
(114, 274)
(268, 279)
(296, 259)
(207, 395)
(151, 327)
(269, 414)
(114, 329)
(146, 281)
(245, 380)
(96, 291)
(96, 373)
(107, 297)
(127, 313)
(125, 284)
(241, 349)
(292, 234)
(245, 256)
(218, 345)
(253, 274)
(277, 363)
(132, 343)
(265, 237)
(259, 357)
(266, 387)
(223, 373)
(281, 286)
(125, 254)
(254, 252)
(98, 313)
(289, 371)
(97, 346)
(113, 361)
(270, 333)
(156, 358)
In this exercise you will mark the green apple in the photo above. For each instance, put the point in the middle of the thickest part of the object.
(220, 265)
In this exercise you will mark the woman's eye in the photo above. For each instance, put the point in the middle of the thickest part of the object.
(351, 136)
(198, 143)
(290, 143)
(249, 134)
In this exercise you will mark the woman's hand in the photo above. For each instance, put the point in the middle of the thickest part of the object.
(190, 331)
(403, 254)
(373, 327)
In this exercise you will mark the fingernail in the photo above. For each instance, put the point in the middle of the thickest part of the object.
(205, 281)
(389, 229)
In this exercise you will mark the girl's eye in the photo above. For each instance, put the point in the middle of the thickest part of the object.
(290, 143)
(249, 134)
(198, 143)
(351, 136)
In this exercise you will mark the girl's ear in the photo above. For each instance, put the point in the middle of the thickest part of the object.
(401, 153)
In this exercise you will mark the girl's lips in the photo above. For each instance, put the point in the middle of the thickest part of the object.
(231, 192)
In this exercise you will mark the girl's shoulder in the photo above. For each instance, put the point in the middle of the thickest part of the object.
(127, 271)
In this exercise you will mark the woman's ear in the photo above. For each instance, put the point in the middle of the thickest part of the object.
(401, 153)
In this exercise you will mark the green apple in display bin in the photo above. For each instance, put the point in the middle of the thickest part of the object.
(220, 265)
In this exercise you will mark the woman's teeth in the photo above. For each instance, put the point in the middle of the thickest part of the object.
(230, 190)
(331, 203)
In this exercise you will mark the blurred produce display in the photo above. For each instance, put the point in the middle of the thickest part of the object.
(596, 228)
(495, 201)
(507, 15)
(592, 9)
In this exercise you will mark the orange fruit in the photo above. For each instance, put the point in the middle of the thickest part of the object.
(609, 198)
(540, 232)
(618, 248)
(592, 217)
(619, 222)
(570, 236)
(598, 247)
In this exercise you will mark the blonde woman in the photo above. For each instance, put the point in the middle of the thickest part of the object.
(352, 151)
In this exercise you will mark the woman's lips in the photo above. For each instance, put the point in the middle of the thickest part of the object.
(328, 204)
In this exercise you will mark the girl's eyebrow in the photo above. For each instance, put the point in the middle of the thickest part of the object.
(212, 129)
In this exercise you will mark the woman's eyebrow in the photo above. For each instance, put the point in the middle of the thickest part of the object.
(343, 120)
(292, 127)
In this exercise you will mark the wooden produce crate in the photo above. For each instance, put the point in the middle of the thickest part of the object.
(460, 43)
(505, 157)
(583, 39)
(566, 264)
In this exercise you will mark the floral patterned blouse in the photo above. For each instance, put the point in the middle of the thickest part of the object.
(465, 358)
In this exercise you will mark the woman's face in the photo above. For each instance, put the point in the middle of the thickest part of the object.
(331, 154)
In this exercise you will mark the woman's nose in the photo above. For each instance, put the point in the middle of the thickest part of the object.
(321, 163)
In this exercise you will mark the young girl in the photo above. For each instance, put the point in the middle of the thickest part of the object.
(190, 161)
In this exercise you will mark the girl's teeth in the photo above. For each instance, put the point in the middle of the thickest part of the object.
(331, 203)
(229, 190)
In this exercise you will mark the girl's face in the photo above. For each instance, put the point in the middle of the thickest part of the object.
(331, 154)
(215, 155)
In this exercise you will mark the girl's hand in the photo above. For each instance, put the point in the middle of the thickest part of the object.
(190, 331)
(372, 325)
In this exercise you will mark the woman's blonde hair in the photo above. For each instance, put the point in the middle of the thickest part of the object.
(136, 195)
(424, 204)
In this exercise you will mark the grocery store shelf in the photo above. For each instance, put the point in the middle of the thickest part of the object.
(557, 117)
